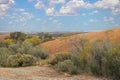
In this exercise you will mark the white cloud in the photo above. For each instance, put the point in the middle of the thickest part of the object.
(83, 14)
(38, 19)
(55, 21)
(72, 7)
(39, 5)
(21, 9)
(116, 11)
(22, 17)
(28, 15)
(60, 23)
(85, 24)
(31, 0)
(5, 5)
(117, 25)
(106, 4)
(93, 20)
(53, 2)
(108, 19)
(50, 11)
(66, 11)
(4, 1)
(94, 12)
(113, 5)
(50, 18)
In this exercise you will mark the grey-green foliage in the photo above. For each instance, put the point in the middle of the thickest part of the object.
(67, 66)
(111, 64)
(25, 48)
(28, 48)
(59, 58)
(19, 60)
(39, 53)
(14, 47)
(101, 59)
(98, 52)
(4, 53)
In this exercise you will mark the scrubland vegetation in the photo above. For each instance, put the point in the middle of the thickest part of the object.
(19, 50)
(100, 57)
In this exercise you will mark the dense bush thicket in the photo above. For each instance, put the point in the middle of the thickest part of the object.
(100, 58)
(67, 66)
(28, 49)
(59, 58)
(18, 60)
(39, 53)
(4, 53)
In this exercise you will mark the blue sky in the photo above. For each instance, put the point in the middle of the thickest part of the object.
(59, 15)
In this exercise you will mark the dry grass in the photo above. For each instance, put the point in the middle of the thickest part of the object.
(65, 44)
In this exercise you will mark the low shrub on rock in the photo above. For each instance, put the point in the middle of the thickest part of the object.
(59, 58)
(67, 66)
(20, 60)
(39, 53)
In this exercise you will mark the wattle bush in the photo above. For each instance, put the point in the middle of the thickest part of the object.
(20, 60)
(34, 41)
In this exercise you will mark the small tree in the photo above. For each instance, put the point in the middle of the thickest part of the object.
(18, 36)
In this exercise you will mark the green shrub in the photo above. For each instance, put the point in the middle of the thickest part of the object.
(4, 53)
(75, 57)
(39, 53)
(95, 60)
(111, 64)
(19, 60)
(80, 60)
(59, 58)
(25, 48)
(98, 52)
(14, 47)
(67, 66)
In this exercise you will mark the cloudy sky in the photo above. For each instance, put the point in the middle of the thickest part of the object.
(59, 15)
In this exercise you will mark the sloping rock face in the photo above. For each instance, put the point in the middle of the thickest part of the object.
(38, 73)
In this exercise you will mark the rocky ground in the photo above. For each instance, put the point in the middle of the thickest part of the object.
(38, 73)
